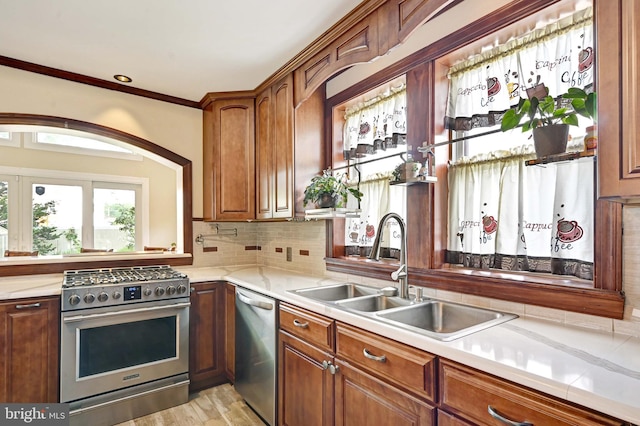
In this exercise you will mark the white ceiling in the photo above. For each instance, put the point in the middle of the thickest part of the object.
(180, 48)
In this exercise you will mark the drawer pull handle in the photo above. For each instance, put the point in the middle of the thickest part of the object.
(504, 420)
(369, 355)
(300, 324)
(32, 305)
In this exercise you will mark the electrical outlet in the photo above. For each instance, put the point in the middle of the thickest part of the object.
(289, 254)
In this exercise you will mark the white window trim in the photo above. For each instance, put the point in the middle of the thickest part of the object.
(14, 140)
(22, 237)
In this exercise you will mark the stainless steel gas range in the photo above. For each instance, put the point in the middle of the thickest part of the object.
(124, 342)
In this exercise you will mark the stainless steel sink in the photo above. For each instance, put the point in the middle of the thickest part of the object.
(373, 303)
(331, 293)
(443, 320)
(434, 318)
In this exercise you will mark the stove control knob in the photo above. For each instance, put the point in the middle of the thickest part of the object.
(89, 298)
(116, 295)
(102, 297)
(147, 291)
(171, 290)
(182, 289)
(159, 291)
(74, 299)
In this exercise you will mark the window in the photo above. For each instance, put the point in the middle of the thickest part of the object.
(427, 82)
(61, 216)
(61, 140)
(374, 136)
(502, 215)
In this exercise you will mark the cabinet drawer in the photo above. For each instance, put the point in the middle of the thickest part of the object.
(313, 328)
(407, 367)
(469, 394)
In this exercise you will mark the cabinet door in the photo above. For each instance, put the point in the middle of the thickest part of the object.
(283, 148)
(229, 160)
(29, 341)
(274, 151)
(361, 399)
(264, 155)
(230, 331)
(305, 387)
(618, 87)
(206, 344)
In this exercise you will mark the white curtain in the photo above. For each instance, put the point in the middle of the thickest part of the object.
(505, 215)
(379, 198)
(559, 55)
(375, 125)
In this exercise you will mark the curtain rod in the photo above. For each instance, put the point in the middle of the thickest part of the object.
(331, 169)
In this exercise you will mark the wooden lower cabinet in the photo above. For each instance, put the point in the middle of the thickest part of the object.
(471, 395)
(362, 399)
(446, 419)
(305, 386)
(29, 350)
(206, 335)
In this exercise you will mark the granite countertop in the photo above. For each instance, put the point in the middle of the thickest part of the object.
(595, 369)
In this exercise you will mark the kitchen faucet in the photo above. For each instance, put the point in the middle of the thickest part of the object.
(401, 275)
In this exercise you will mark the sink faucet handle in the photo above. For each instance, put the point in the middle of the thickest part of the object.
(401, 272)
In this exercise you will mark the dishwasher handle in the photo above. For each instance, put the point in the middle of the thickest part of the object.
(257, 303)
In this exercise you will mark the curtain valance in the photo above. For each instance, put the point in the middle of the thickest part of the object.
(559, 55)
(377, 124)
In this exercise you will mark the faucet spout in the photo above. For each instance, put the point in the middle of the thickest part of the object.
(401, 275)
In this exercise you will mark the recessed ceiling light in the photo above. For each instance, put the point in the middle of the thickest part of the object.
(122, 78)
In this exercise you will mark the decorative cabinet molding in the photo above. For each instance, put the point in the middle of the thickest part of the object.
(399, 18)
(357, 45)
(274, 151)
(229, 159)
(618, 87)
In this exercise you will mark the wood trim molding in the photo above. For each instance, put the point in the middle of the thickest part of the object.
(96, 82)
(67, 123)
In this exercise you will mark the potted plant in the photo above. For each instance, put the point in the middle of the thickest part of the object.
(406, 171)
(328, 190)
(549, 120)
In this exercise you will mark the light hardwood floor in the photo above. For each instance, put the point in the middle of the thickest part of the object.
(217, 406)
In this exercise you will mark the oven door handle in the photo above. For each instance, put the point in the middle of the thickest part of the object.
(257, 303)
(77, 318)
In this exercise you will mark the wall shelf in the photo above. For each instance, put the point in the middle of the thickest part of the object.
(565, 156)
(331, 213)
(414, 181)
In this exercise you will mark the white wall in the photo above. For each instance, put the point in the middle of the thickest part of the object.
(174, 127)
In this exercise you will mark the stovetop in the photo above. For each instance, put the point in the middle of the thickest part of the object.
(88, 277)
(96, 288)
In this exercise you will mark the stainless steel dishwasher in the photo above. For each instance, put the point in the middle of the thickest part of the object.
(256, 350)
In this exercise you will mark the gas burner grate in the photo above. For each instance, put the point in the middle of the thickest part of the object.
(119, 275)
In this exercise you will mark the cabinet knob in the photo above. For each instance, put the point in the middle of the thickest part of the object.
(328, 365)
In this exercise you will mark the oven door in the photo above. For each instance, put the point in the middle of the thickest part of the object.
(111, 348)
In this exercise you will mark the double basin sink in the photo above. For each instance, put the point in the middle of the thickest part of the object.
(438, 319)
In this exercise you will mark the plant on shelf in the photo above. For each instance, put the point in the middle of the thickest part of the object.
(327, 190)
(549, 119)
(405, 171)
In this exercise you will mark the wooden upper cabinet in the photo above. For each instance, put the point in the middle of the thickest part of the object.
(398, 18)
(358, 44)
(618, 88)
(229, 159)
(275, 151)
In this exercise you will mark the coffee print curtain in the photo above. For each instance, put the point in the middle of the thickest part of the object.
(500, 218)
(559, 56)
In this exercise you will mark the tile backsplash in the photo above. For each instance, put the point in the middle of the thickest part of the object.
(268, 243)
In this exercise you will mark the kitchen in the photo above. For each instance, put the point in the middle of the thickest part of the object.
(169, 125)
